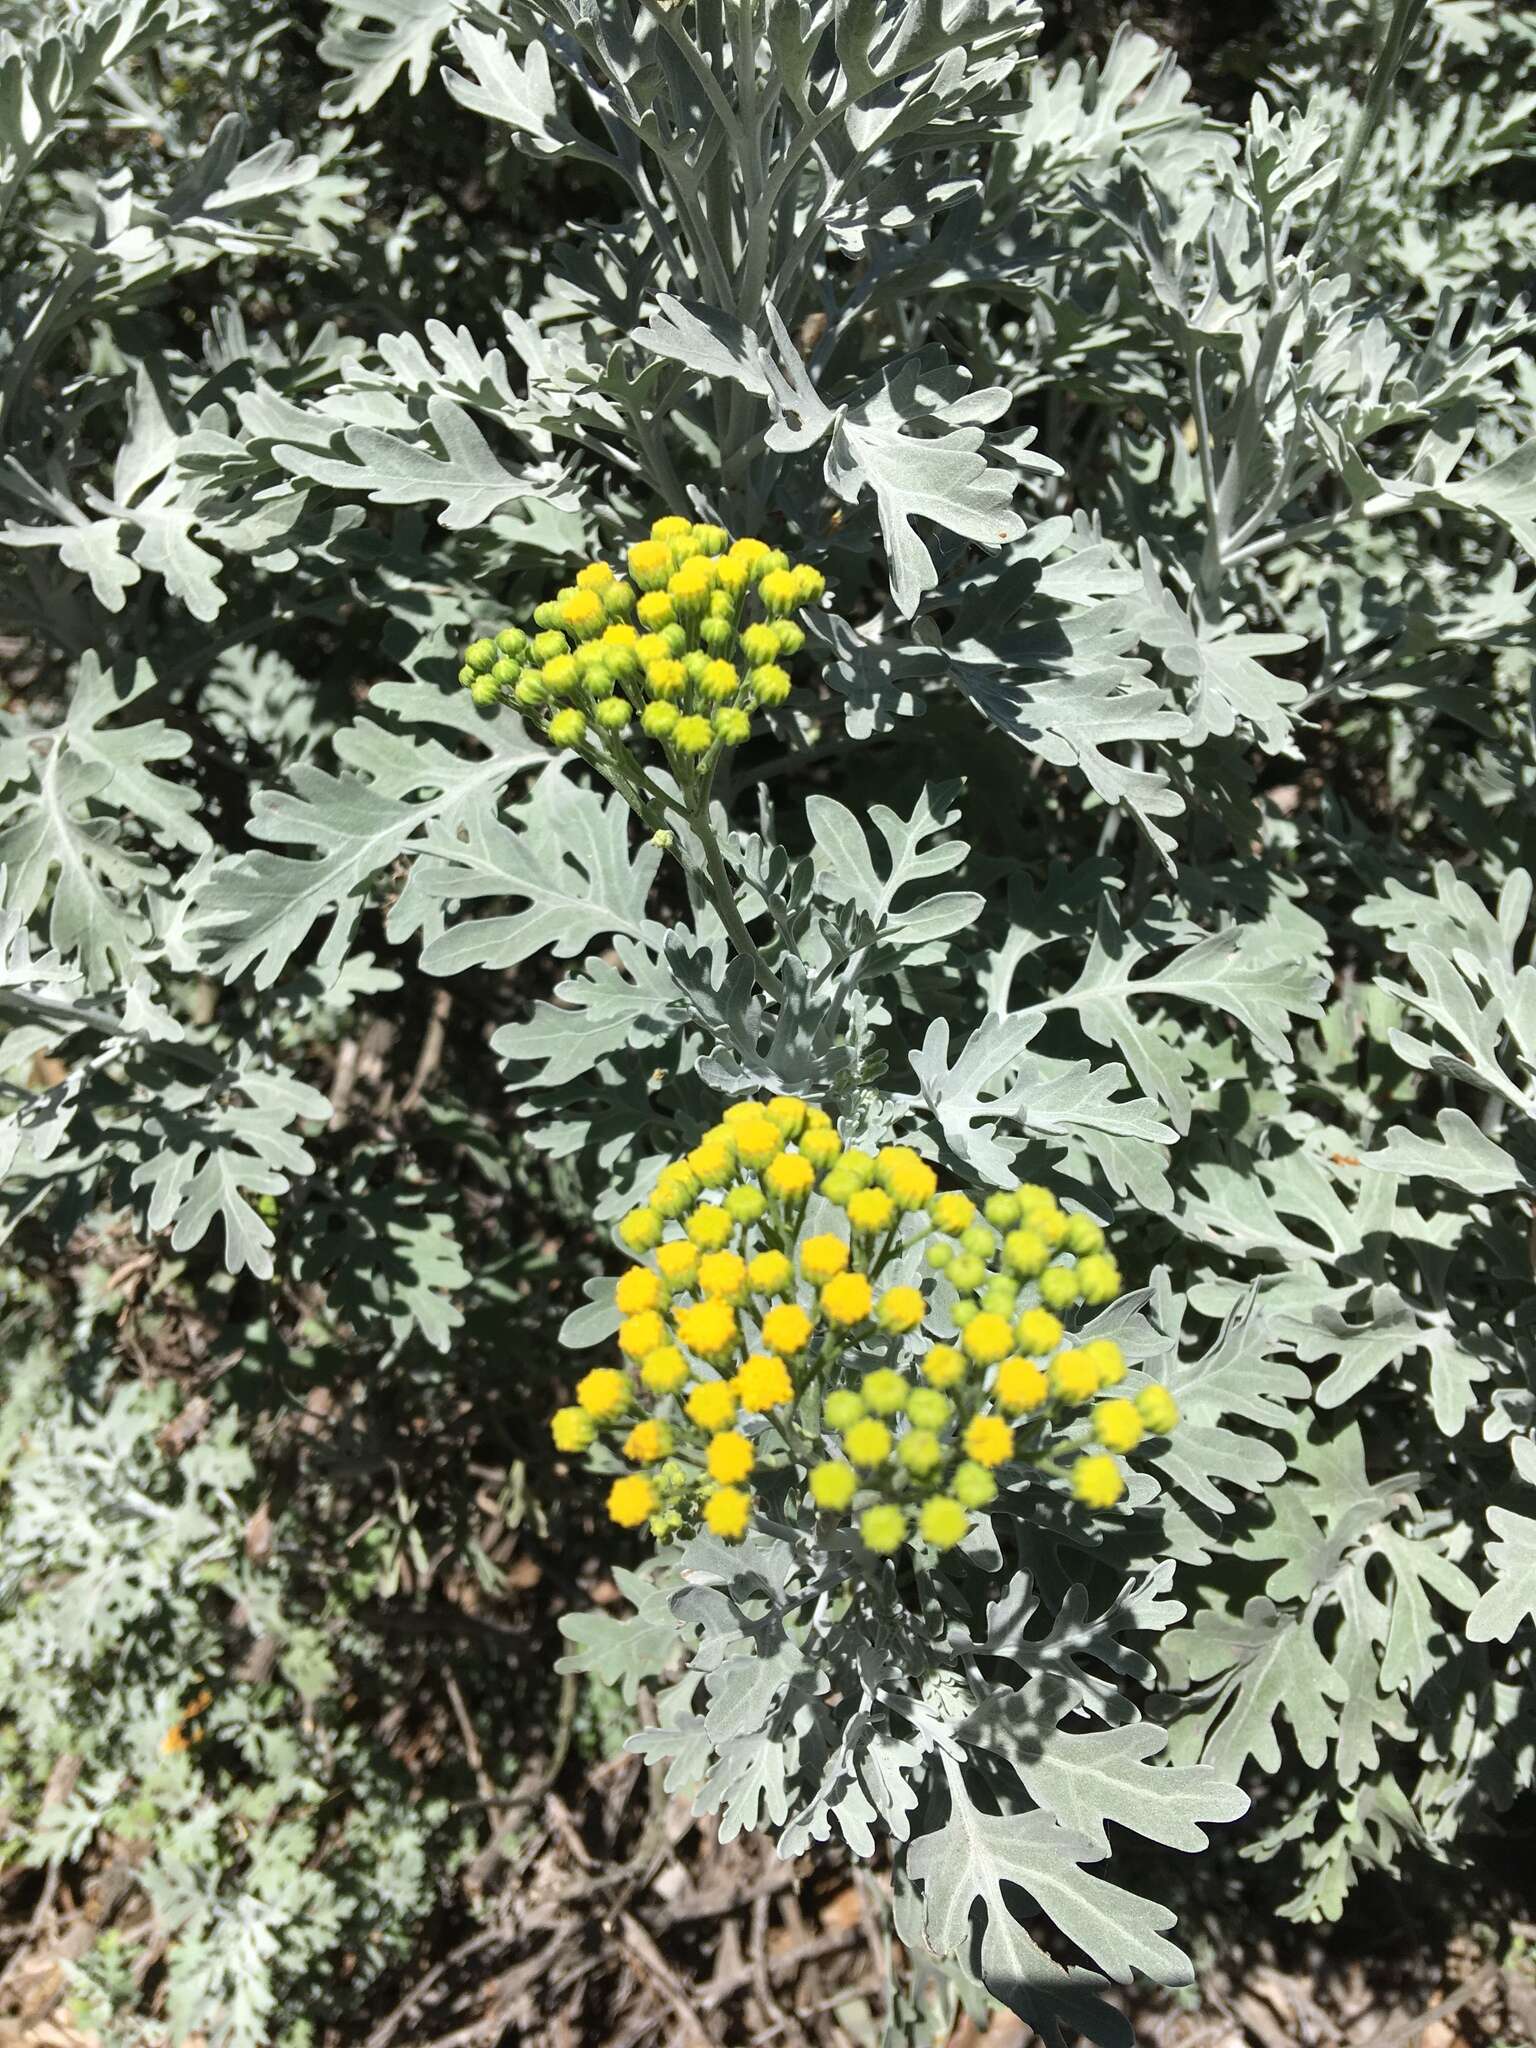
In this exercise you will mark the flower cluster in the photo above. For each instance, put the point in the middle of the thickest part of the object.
(685, 648)
(759, 1348)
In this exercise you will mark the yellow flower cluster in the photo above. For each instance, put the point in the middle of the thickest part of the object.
(685, 647)
(759, 1345)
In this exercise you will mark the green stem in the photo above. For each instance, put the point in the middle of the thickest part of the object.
(723, 896)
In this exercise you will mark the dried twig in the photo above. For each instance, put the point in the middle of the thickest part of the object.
(1405, 2030)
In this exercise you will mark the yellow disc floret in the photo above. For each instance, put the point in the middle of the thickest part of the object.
(833, 1485)
(823, 1258)
(868, 1444)
(664, 1370)
(603, 1393)
(763, 1383)
(712, 1405)
(730, 1457)
(631, 1501)
(1118, 1426)
(642, 1333)
(871, 1210)
(723, 1275)
(708, 1328)
(770, 1273)
(988, 1441)
(1021, 1386)
(901, 1309)
(573, 1429)
(786, 1329)
(1097, 1481)
(944, 1366)
(846, 1300)
(986, 1339)
(648, 1442)
(1157, 1409)
(1073, 1377)
(638, 1289)
(727, 1513)
(943, 1522)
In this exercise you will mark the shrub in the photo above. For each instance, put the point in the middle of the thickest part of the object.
(1142, 815)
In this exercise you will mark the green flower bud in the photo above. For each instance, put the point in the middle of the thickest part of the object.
(790, 635)
(511, 642)
(612, 714)
(480, 655)
(716, 635)
(547, 646)
(694, 664)
(938, 1254)
(928, 1408)
(966, 1272)
(505, 672)
(769, 685)
(529, 691)
(547, 615)
(484, 691)
(466, 677)
(973, 1485)
(978, 1239)
(676, 637)
(657, 720)
(732, 725)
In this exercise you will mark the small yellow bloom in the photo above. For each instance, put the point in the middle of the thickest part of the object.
(1157, 1409)
(712, 1405)
(986, 1339)
(743, 1113)
(583, 614)
(730, 1457)
(1026, 1253)
(631, 1500)
(1098, 1278)
(758, 1142)
(871, 1210)
(595, 576)
(868, 1444)
(637, 1290)
(679, 1261)
(1073, 1377)
(920, 1452)
(900, 1310)
(727, 1513)
(988, 1441)
(708, 1328)
(1118, 1426)
(952, 1213)
(943, 1522)
(820, 1146)
(711, 1163)
(642, 1333)
(664, 1370)
(883, 1528)
(833, 1485)
(1097, 1481)
(884, 1392)
(770, 1273)
(603, 1393)
(710, 1228)
(693, 736)
(675, 1189)
(842, 1408)
(786, 1329)
(1038, 1331)
(650, 563)
(789, 1113)
(944, 1366)
(1083, 1235)
(672, 526)
(763, 1383)
(1058, 1287)
(723, 1275)
(823, 1258)
(640, 1230)
(1107, 1360)
(973, 1485)
(1021, 1387)
(648, 1442)
(573, 1429)
(789, 1177)
(846, 1300)
(909, 1180)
